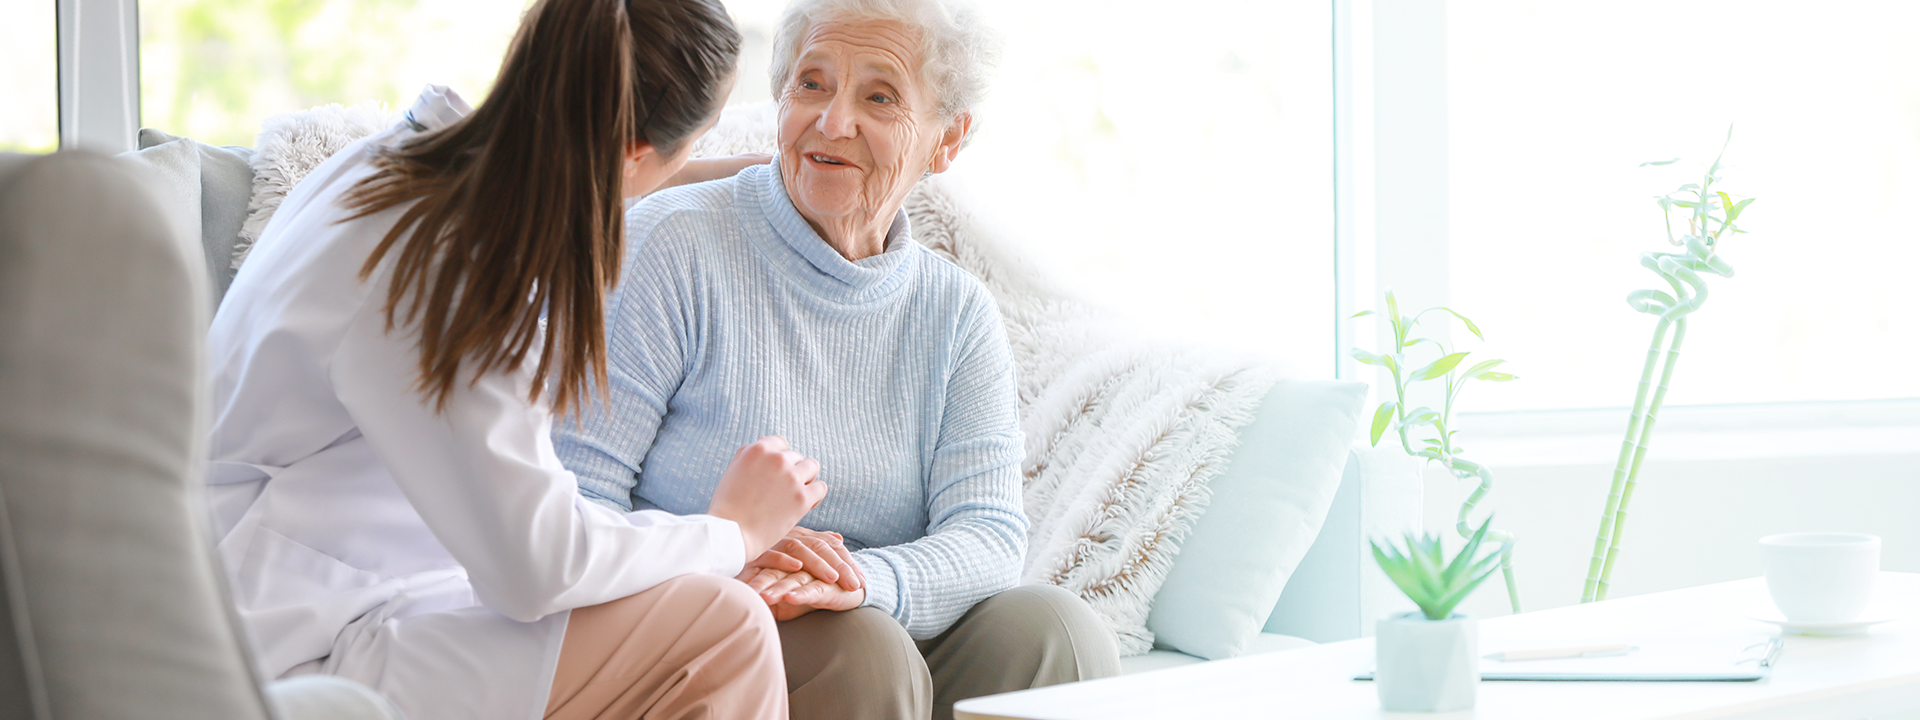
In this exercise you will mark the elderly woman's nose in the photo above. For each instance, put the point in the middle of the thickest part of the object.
(836, 119)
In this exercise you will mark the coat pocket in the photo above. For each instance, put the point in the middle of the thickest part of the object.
(295, 599)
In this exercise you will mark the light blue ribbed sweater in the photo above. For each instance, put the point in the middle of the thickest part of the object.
(734, 320)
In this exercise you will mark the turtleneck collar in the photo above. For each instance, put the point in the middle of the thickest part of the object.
(809, 260)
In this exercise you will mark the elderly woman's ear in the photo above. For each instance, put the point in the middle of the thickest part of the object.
(950, 142)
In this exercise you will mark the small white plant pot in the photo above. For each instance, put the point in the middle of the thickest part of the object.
(1426, 665)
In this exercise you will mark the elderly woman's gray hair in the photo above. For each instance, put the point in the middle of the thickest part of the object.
(958, 48)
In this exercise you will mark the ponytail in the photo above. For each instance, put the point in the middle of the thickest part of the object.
(518, 204)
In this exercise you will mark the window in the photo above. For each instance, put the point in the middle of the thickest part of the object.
(214, 69)
(29, 78)
(1174, 166)
(1170, 165)
(1552, 107)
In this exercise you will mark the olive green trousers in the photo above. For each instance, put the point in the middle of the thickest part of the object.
(861, 665)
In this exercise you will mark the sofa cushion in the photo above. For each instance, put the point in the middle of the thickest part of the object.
(222, 184)
(1267, 508)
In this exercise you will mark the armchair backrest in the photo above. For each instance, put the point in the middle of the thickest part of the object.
(114, 603)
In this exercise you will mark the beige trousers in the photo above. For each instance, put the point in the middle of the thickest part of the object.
(861, 665)
(696, 646)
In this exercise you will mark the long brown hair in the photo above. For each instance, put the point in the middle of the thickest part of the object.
(519, 203)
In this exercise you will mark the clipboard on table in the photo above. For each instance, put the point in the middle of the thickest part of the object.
(1677, 660)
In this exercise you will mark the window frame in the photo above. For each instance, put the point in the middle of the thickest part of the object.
(99, 65)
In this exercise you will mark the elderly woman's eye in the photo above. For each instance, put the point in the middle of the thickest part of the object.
(879, 98)
(809, 85)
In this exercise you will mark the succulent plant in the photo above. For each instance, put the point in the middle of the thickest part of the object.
(1429, 578)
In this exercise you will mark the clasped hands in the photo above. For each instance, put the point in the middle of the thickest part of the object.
(805, 571)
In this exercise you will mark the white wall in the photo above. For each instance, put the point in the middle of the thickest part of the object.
(1691, 522)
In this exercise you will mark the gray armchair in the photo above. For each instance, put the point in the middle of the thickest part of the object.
(112, 604)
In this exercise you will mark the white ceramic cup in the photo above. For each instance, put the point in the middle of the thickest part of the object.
(1820, 577)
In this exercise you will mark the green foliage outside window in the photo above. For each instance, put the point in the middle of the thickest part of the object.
(214, 69)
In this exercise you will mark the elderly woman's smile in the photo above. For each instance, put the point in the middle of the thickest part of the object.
(858, 127)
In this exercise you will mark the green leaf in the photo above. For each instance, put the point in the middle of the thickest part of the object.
(1497, 376)
(1482, 367)
(1380, 419)
(1734, 212)
(1439, 367)
(1362, 313)
(1391, 364)
(1421, 414)
(1400, 327)
(1465, 559)
(1472, 328)
(1649, 162)
(1365, 357)
(1725, 201)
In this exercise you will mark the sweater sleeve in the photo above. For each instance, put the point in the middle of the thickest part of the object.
(976, 533)
(605, 444)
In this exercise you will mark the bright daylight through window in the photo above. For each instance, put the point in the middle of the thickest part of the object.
(30, 116)
(1186, 186)
(212, 70)
(1552, 108)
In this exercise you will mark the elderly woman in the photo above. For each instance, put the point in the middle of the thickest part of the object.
(792, 300)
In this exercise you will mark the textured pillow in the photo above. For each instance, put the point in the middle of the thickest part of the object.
(1267, 508)
(291, 145)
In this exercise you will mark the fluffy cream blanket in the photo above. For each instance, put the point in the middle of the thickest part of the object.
(1123, 434)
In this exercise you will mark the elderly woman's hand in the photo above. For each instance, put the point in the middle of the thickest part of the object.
(821, 555)
(790, 595)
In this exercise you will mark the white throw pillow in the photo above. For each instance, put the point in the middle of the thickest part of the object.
(1267, 508)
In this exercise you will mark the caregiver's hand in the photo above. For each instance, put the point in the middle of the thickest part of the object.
(823, 555)
(765, 491)
(791, 595)
(704, 169)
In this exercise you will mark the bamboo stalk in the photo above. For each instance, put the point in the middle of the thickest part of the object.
(1463, 470)
(1605, 538)
(1640, 452)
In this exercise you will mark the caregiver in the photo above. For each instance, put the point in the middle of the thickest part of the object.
(385, 368)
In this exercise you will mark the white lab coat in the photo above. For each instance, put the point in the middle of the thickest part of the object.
(432, 556)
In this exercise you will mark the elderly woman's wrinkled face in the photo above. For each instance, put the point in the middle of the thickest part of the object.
(858, 126)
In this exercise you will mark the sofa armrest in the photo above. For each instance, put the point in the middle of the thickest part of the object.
(1338, 591)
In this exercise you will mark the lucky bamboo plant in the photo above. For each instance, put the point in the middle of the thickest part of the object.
(1408, 421)
(1711, 216)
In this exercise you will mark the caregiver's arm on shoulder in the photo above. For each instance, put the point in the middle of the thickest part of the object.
(976, 534)
(484, 478)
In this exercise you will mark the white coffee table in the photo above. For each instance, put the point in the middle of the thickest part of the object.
(1840, 677)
